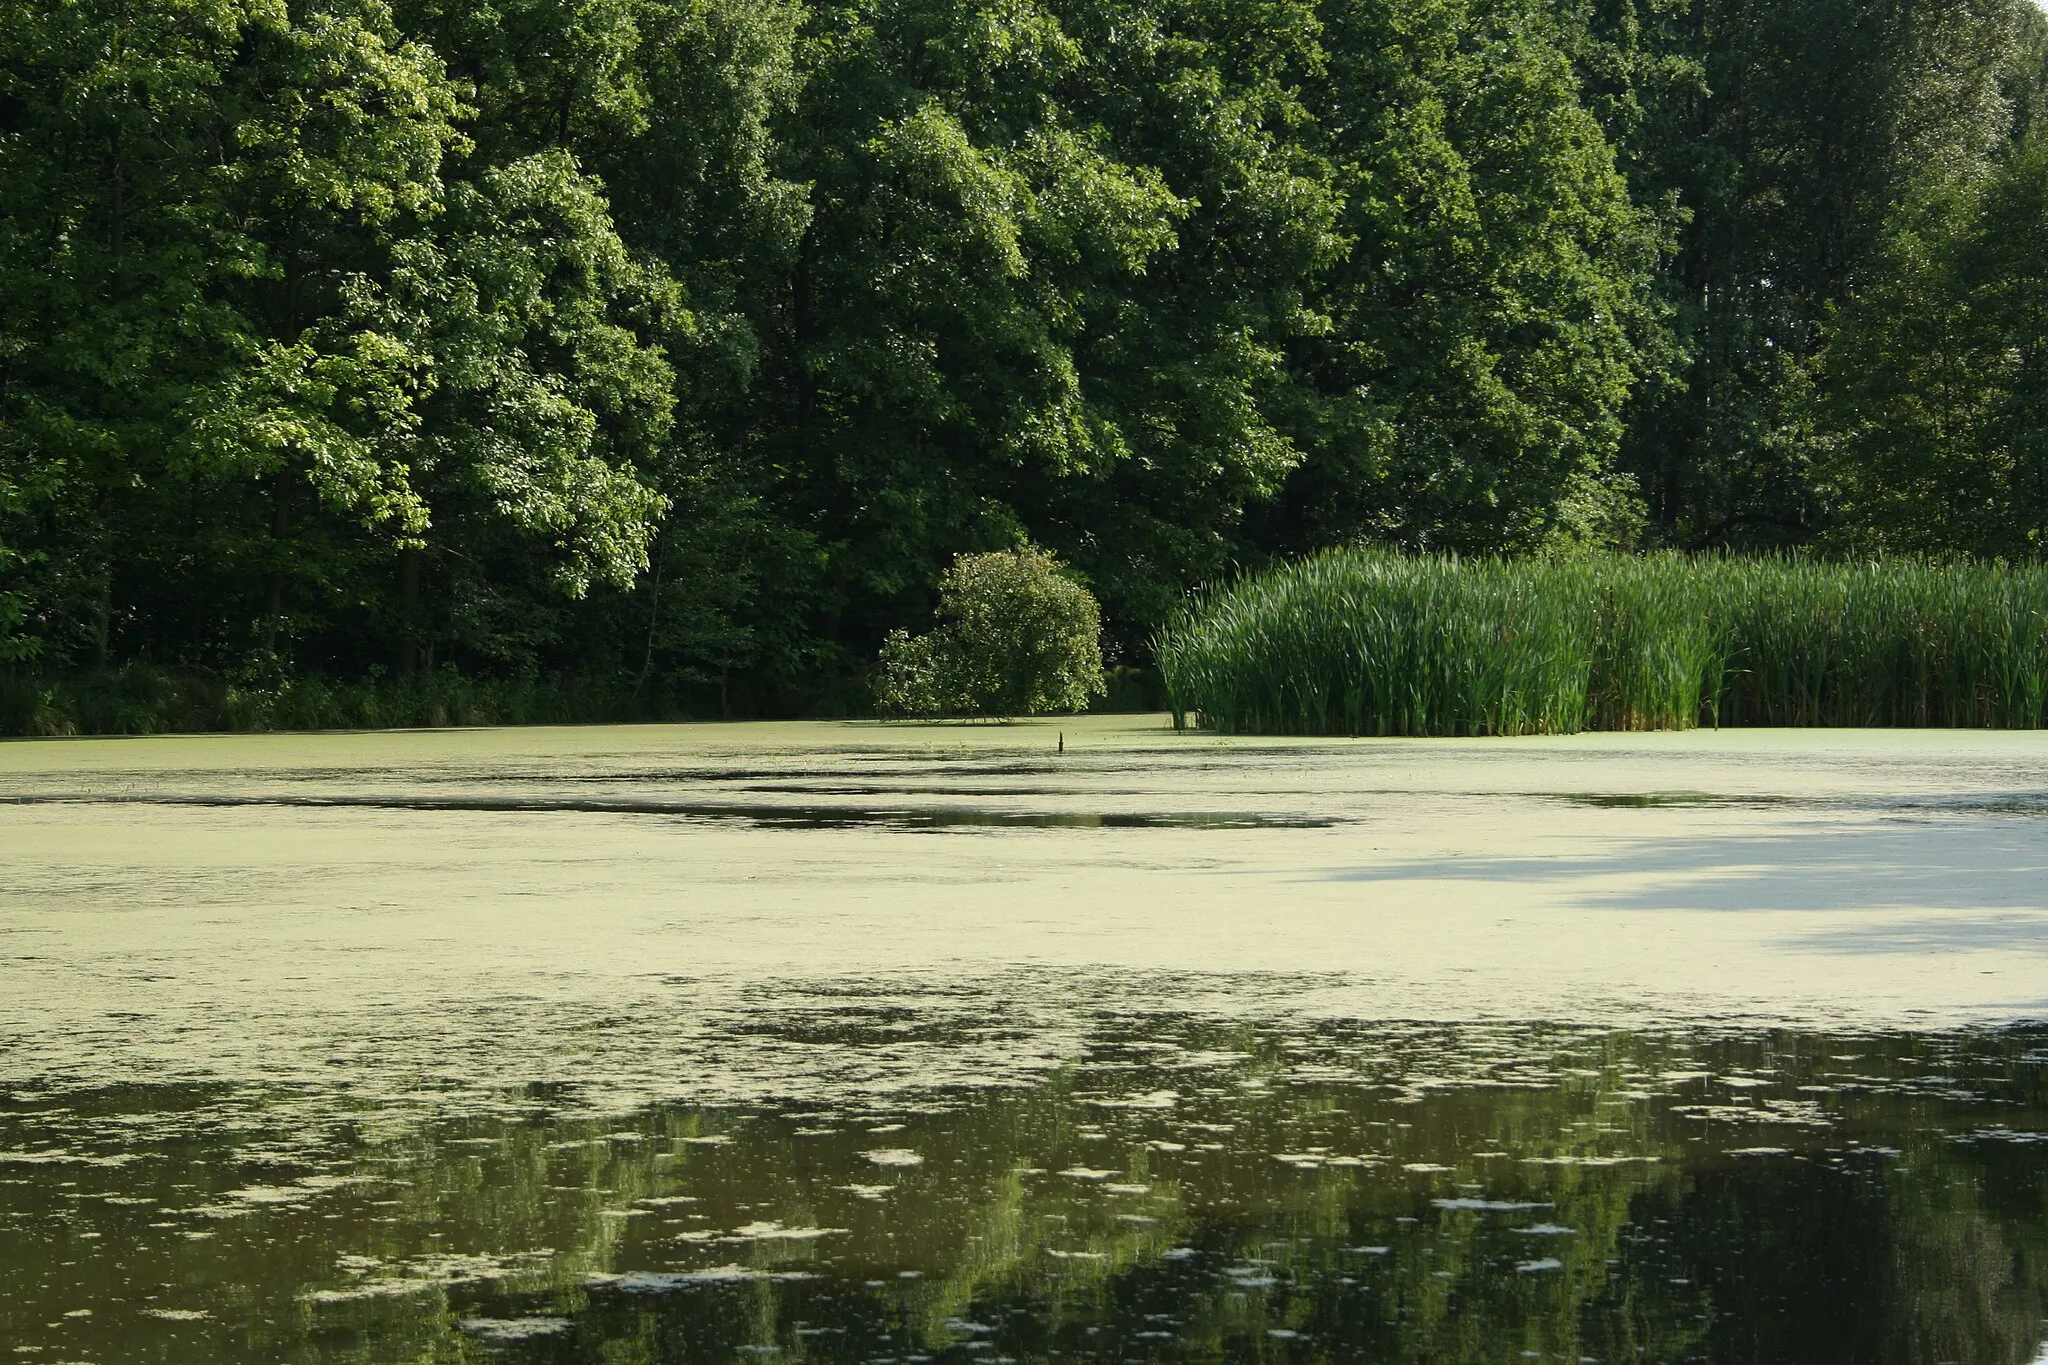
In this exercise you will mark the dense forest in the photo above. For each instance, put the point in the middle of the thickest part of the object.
(677, 346)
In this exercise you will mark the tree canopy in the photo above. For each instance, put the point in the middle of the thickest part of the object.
(685, 343)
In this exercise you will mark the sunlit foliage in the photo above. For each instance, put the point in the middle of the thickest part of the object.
(1374, 644)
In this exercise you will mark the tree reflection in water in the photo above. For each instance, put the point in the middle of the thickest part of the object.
(1184, 1190)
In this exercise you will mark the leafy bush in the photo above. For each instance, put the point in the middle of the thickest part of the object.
(1020, 638)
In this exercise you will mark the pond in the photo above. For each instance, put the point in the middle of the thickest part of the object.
(1065, 1040)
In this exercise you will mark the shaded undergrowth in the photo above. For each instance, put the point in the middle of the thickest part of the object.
(143, 700)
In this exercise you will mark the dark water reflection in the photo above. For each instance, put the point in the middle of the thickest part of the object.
(1183, 1190)
(774, 816)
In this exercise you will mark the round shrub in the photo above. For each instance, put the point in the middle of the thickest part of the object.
(1019, 638)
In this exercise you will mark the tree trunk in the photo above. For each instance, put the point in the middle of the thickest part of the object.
(102, 616)
(653, 622)
(280, 523)
(408, 612)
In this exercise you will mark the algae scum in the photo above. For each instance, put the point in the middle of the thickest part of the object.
(903, 1047)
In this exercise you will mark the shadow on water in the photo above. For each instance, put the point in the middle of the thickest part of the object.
(1183, 1190)
(790, 816)
(1667, 800)
(1930, 869)
(1993, 803)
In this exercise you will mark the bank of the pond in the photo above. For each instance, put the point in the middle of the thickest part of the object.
(1365, 643)
(142, 699)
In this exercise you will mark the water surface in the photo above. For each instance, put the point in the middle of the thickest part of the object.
(902, 1046)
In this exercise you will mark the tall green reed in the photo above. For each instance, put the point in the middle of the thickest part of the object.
(1368, 643)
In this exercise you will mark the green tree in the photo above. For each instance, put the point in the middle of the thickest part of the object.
(670, 104)
(1491, 315)
(1188, 361)
(1935, 380)
(681, 344)
(271, 344)
(166, 222)
(1033, 294)
(1812, 120)
(1020, 638)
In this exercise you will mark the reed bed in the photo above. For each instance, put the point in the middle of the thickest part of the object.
(1368, 643)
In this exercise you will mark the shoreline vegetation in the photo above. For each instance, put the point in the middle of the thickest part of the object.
(638, 359)
(141, 699)
(1365, 643)
(1347, 643)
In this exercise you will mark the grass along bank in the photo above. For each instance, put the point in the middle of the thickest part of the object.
(1369, 643)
